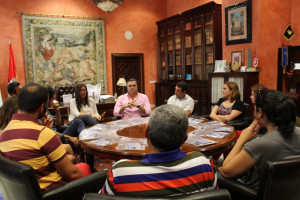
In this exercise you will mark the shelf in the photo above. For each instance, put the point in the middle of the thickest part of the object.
(209, 24)
(209, 43)
(197, 27)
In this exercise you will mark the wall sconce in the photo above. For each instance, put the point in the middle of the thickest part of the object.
(122, 83)
(107, 5)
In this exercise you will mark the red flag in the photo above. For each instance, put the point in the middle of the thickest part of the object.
(12, 65)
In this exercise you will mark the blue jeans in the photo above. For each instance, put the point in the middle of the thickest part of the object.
(74, 130)
(88, 120)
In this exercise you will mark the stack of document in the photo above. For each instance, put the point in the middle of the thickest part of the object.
(67, 99)
(107, 98)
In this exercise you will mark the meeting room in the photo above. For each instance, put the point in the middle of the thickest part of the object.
(149, 99)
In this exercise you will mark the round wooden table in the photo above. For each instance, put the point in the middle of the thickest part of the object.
(138, 131)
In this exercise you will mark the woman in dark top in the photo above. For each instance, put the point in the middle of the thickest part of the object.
(229, 107)
(276, 113)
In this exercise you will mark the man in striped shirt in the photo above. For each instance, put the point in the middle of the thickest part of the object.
(27, 141)
(165, 170)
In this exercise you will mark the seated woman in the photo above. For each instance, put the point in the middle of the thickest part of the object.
(229, 107)
(276, 113)
(9, 107)
(254, 91)
(84, 107)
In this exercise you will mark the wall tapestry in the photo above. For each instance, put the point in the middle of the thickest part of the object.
(61, 51)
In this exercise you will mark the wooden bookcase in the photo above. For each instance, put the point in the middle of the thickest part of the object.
(188, 45)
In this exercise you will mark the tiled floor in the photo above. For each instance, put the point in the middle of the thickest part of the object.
(103, 164)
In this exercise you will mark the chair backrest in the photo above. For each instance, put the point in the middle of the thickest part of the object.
(221, 194)
(196, 108)
(246, 109)
(280, 180)
(64, 89)
(18, 180)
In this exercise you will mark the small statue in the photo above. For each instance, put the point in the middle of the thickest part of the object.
(235, 66)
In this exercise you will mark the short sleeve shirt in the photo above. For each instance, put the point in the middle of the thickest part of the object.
(238, 105)
(261, 149)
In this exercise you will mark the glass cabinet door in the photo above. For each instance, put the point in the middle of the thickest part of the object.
(162, 56)
(209, 45)
(198, 48)
(178, 60)
(188, 63)
(170, 56)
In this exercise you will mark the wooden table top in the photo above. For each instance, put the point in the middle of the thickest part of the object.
(138, 131)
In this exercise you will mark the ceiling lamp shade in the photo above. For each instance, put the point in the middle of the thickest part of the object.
(108, 5)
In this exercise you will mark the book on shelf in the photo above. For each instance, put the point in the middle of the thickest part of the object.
(208, 37)
(171, 59)
(177, 43)
(188, 42)
(197, 38)
(198, 56)
(178, 59)
(188, 26)
(209, 58)
(188, 59)
(197, 22)
(170, 45)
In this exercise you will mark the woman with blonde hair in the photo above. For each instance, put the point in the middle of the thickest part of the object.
(229, 107)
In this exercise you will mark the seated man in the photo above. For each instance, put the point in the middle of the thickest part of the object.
(13, 88)
(28, 141)
(181, 99)
(165, 170)
(133, 104)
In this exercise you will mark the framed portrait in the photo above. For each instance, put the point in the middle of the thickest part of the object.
(237, 56)
(238, 23)
(220, 65)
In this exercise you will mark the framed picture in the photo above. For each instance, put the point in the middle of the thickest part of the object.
(238, 23)
(237, 56)
(61, 51)
(220, 65)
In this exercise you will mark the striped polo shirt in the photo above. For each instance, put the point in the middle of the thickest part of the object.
(161, 174)
(27, 141)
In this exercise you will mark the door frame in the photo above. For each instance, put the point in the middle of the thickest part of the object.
(140, 56)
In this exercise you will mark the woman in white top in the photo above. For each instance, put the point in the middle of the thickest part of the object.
(84, 107)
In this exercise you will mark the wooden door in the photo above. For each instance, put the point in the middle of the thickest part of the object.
(127, 65)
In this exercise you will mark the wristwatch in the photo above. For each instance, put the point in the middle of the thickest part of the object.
(139, 105)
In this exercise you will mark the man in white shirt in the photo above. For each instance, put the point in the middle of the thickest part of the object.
(182, 99)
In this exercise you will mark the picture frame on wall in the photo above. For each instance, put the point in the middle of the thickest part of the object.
(238, 23)
(220, 65)
(237, 56)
